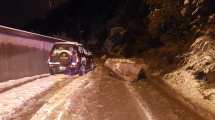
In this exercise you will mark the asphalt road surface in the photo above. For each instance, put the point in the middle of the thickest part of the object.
(98, 95)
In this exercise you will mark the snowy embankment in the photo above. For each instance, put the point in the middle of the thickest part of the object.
(13, 83)
(18, 100)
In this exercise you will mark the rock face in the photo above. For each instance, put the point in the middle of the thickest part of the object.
(115, 42)
(128, 70)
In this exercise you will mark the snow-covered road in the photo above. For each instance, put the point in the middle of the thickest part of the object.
(98, 95)
(19, 100)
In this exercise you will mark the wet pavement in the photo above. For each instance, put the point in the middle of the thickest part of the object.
(160, 106)
(100, 95)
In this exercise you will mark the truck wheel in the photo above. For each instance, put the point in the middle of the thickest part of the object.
(82, 70)
(51, 71)
(92, 66)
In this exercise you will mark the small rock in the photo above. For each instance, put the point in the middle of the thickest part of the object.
(201, 76)
(103, 57)
(142, 75)
(210, 96)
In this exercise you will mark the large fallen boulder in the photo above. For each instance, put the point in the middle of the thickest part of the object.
(126, 69)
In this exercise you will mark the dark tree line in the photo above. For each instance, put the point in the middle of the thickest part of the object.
(75, 16)
(149, 23)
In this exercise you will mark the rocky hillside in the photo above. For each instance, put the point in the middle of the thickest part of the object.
(162, 23)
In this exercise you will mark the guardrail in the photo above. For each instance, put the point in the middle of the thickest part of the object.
(26, 34)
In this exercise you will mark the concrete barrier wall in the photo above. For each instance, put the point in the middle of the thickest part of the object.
(22, 53)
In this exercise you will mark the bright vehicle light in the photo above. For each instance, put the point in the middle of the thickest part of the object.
(74, 63)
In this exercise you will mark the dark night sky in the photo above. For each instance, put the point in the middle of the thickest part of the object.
(71, 17)
(16, 13)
